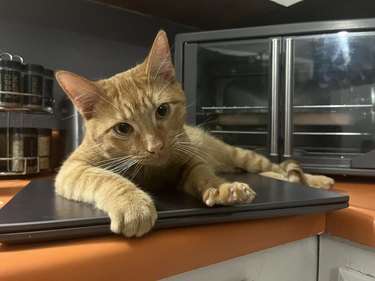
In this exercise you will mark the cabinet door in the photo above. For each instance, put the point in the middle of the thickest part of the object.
(341, 259)
(330, 99)
(295, 261)
(232, 90)
(347, 274)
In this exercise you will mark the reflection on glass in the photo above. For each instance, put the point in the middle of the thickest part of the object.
(232, 91)
(334, 95)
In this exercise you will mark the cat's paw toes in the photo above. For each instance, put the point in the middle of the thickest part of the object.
(133, 215)
(211, 196)
(321, 182)
(229, 194)
(325, 182)
(235, 193)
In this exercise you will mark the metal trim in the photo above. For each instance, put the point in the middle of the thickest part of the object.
(288, 125)
(275, 72)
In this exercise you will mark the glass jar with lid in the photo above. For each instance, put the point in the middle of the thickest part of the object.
(24, 150)
(10, 82)
(33, 86)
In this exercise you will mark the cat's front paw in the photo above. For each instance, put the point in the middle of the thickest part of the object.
(133, 214)
(318, 181)
(229, 194)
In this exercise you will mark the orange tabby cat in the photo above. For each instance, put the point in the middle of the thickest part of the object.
(136, 140)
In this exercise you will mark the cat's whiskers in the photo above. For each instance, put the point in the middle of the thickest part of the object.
(188, 152)
(138, 167)
(116, 165)
(188, 149)
(202, 150)
(124, 167)
(194, 102)
(186, 146)
(198, 151)
(114, 162)
(162, 89)
(120, 158)
(201, 125)
(180, 155)
(187, 130)
(191, 104)
(69, 116)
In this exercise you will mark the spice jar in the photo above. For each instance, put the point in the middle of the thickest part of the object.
(4, 147)
(44, 148)
(24, 150)
(10, 82)
(33, 86)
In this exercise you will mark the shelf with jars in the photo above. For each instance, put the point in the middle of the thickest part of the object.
(24, 89)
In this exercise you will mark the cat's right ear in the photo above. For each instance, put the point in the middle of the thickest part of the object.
(83, 93)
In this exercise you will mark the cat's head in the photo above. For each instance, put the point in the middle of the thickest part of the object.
(138, 113)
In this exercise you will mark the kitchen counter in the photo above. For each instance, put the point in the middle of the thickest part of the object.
(168, 252)
(357, 222)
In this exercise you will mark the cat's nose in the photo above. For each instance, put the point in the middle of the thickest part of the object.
(155, 147)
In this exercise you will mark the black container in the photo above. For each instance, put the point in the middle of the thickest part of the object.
(16, 77)
(44, 148)
(33, 86)
(48, 87)
(4, 147)
(10, 81)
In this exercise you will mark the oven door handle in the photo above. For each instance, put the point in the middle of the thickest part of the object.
(275, 88)
(288, 83)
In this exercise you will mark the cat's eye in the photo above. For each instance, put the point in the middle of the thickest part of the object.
(163, 111)
(123, 129)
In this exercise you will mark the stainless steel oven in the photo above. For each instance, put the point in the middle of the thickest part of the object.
(302, 91)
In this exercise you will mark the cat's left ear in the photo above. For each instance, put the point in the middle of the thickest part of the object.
(159, 62)
(83, 93)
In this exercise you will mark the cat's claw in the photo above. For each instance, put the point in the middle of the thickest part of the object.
(236, 192)
(210, 196)
(229, 194)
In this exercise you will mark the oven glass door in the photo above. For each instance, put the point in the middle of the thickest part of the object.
(333, 98)
(233, 92)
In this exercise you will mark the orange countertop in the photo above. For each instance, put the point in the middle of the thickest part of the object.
(164, 253)
(356, 223)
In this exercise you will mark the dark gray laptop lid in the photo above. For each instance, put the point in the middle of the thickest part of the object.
(38, 213)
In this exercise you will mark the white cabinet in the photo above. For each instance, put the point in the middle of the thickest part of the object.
(323, 258)
(347, 274)
(295, 261)
(343, 260)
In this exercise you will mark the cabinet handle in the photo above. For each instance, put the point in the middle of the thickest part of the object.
(288, 126)
(275, 72)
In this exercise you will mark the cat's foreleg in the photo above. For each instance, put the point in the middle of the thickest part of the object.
(200, 181)
(289, 170)
(131, 210)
